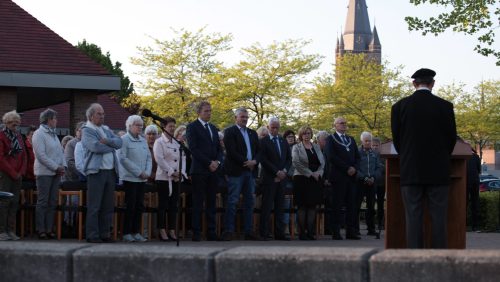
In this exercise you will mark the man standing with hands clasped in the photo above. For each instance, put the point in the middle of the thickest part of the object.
(424, 134)
(203, 140)
(343, 155)
(242, 147)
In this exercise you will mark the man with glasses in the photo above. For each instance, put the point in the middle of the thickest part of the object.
(343, 157)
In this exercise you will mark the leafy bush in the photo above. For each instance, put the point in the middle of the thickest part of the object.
(489, 210)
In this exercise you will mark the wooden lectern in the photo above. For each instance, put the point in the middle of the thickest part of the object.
(395, 232)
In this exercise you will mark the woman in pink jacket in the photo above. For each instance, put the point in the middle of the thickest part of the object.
(166, 154)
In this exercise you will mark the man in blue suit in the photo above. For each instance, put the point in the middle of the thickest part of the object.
(206, 152)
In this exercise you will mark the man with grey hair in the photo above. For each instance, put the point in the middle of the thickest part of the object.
(242, 148)
(343, 155)
(369, 172)
(101, 168)
(276, 159)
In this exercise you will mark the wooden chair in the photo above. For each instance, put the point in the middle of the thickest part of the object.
(68, 190)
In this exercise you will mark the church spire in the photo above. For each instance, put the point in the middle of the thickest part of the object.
(375, 42)
(357, 34)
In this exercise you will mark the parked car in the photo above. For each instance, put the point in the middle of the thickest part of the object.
(489, 185)
(494, 185)
(486, 177)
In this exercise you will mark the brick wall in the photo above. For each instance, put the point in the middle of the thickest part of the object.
(79, 102)
(8, 100)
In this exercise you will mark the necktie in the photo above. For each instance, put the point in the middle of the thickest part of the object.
(275, 140)
(344, 139)
(208, 130)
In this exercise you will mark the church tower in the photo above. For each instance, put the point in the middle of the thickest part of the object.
(358, 37)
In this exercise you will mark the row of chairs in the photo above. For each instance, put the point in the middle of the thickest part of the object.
(68, 190)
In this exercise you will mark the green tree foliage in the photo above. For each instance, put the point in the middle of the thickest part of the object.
(177, 71)
(95, 53)
(477, 112)
(479, 17)
(363, 93)
(267, 80)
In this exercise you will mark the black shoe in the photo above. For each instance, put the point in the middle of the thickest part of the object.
(282, 237)
(43, 236)
(52, 235)
(212, 237)
(251, 237)
(108, 240)
(264, 238)
(311, 237)
(337, 236)
(352, 237)
(226, 236)
(196, 238)
(96, 240)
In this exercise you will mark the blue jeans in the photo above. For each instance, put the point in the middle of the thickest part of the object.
(240, 184)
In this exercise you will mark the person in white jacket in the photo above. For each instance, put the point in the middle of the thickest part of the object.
(49, 168)
(166, 154)
(135, 168)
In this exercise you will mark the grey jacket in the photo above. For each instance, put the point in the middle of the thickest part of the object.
(135, 158)
(369, 165)
(301, 162)
(49, 154)
(93, 149)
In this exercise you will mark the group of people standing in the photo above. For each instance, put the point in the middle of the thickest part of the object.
(237, 157)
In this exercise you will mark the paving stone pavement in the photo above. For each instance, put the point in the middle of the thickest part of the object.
(486, 241)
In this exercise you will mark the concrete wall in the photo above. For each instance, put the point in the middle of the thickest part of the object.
(55, 261)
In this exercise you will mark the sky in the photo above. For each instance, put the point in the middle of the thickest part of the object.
(120, 26)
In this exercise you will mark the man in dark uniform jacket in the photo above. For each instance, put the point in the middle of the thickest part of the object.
(343, 155)
(242, 148)
(424, 135)
(206, 152)
(276, 159)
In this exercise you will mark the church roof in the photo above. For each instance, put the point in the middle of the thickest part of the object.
(27, 45)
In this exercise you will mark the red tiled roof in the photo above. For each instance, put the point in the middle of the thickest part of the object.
(27, 45)
(115, 118)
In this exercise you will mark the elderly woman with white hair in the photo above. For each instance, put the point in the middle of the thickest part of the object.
(136, 164)
(151, 133)
(49, 168)
(13, 164)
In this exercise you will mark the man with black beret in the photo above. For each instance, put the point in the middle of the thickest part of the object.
(424, 135)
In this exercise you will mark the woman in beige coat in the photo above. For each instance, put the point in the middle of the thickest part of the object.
(307, 181)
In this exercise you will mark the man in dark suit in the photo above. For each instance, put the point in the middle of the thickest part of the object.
(203, 141)
(343, 155)
(424, 134)
(276, 159)
(242, 147)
